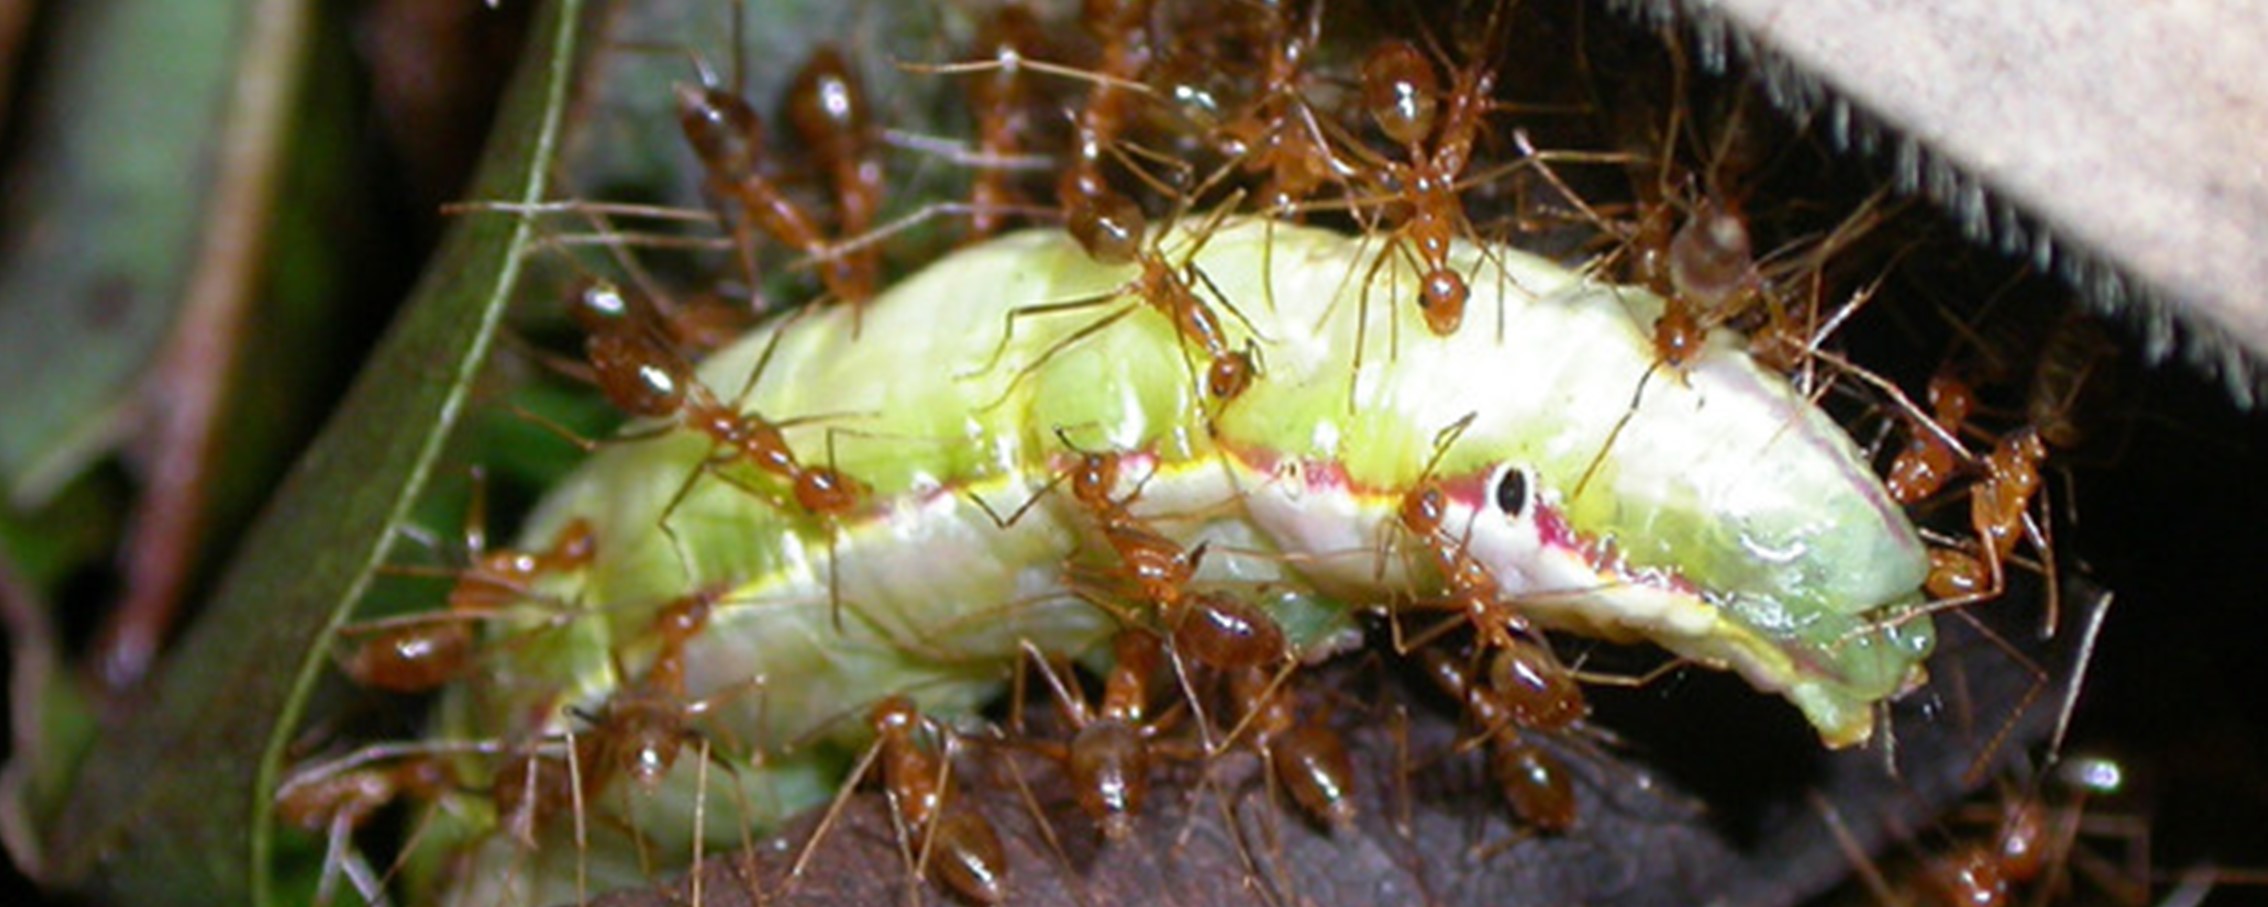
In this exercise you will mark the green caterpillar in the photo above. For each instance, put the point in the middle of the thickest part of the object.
(1711, 510)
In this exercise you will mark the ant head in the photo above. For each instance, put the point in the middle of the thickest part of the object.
(1106, 223)
(1423, 508)
(1442, 300)
(894, 717)
(1229, 375)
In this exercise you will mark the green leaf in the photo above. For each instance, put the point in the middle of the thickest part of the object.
(105, 214)
(174, 805)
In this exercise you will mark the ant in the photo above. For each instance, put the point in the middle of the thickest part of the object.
(2000, 499)
(642, 727)
(727, 136)
(1211, 629)
(1534, 782)
(1703, 265)
(638, 734)
(828, 107)
(1691, 245)
(1276, 132)
(1402, 92)
(425, 651)
(337, 798)
(1979, 874)
(1214, 629)
(411, 657)
(2030, 845)
(1106, 223)
(1170, 290)
(1929, 461)
(959, 848)
(1521, 663)
(1108, 759)
(1706, 267)
(1472, 589)
(2000, 510)
(1002, 100)
(646, 378)
(1308, 758)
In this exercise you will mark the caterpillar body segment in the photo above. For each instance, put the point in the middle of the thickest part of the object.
(1711, 510)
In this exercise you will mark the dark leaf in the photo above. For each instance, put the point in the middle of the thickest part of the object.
(172, 806)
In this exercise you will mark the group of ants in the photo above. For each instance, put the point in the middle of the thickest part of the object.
(1404, 174)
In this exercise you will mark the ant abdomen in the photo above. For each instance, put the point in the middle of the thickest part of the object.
(965, 856)
(1401, 91)
(1710, 259)
(1109, 768)
(1312, 763)
(412, 658)
(1227, 633)
(1106, 223)
(1534, 783)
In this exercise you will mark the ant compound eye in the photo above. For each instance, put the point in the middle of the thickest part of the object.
(1512, 492)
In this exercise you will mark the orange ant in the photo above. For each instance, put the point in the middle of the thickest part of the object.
(2000, 499)
(1535, 783)
(2029, 846)
(638, 733)
(1402, 92)
(1276, 133)
(1001, 102)
(1703, 264)
(1107, 224)
(1225, 633)
(1170, 290)
(1108, 760)
(2000, 510)
(1704, 269)
(727, 135)
(827, 106)
(413, 657)
(1214, 629)
(1527, 686)
(1471, 588)
(1979, 874)
(646, 378)
(642, 726)
(420, 653)
(1928, 460)
(961, 851)
(1211, 629)
(1474, 591)
(1308, 758)
(1707, 266)
(336, 799)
